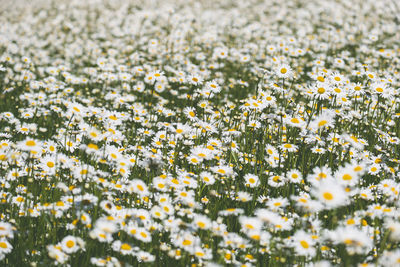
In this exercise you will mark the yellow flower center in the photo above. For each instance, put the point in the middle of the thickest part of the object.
(328, 196)
(186, 242)
(304, 244)
(50, 164)
(125, 246)
(322, 123)
(70, 243)
(347, 177)
(30, 143)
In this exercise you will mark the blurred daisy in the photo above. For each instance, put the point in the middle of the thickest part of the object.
(202, 222)
(330, 193)
(195, 79)
(303, 244)
(71, 244)
(284, 71)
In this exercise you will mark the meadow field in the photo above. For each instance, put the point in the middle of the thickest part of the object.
(199, 133)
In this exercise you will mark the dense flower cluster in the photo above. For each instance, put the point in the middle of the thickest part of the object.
(203, 133)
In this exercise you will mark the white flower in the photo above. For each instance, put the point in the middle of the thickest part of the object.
(284, 71)
(330, 193)
(70, 244)
(5, 246)
(252, 180)
(303, 244)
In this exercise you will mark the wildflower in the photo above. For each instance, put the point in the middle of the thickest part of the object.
(6, 230)
(244, 196)
(193, 159)
(202, 222)
(85, 218)
(213, 86)
(160, 184)
(374, 169)
(202, 153)
(394, 228)
(390, 258)
(144, 256)
(5, 246)
(232, 211)
(55, 252)
(203, 253)
(321, 90)
(355, 240)
(207, 178)
(289, 147)
(195, 79)
(190, 113)
(303, 244)
(157, 212)
(149, 78)
(295, 122)
(319, 174)
(347, 176)
(186, 241)
(139, 187)
(49, 165)
(123, 248)
(284, 71)
(250, 223)
(220, 52)
(276, 181)
(30, 145)
(71, 244)
(277, 203)
(106, 226)
(109, 261)
(324, 120)
(318, 150)
(294, 176)
(330, 193)
(251, 180)
(223, 170)
(380, 88)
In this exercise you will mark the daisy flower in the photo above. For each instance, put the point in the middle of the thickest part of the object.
(303, 244)
(71, 244)
(202, 222)
(6, 230)
(207, 178)
(195, 79)
(223, 170)
(213, 87)
(276, 181)
(190, 113)
(5, 246)
(294, 176)
(251, 180)
(321, 90)
(347, 176)
(284, 71)
(250, 224)
(330, 193)
(289, 147)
